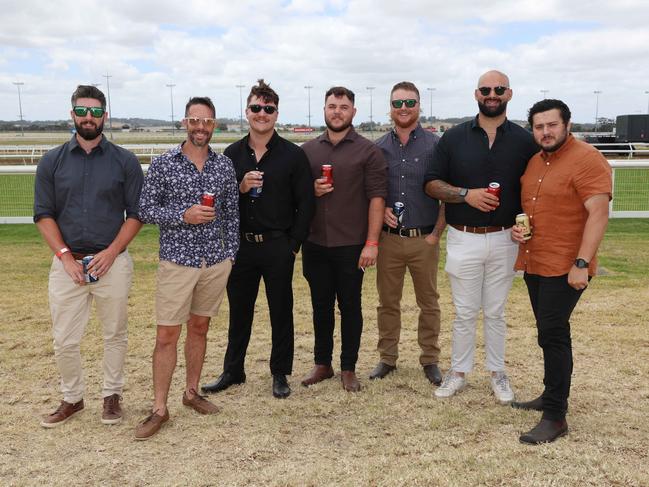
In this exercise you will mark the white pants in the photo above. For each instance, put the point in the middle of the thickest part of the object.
(70, 307)
(481, 273)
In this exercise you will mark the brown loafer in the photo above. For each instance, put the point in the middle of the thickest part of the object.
(112, 413)
(151, 425)
(64, 412)
(199, 404)
(318, 374)
(350, 381)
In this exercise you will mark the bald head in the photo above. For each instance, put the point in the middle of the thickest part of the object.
(493, 78)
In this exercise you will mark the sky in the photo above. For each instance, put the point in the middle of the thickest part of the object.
(208, 47)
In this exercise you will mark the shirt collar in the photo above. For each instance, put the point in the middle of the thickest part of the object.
(74, 144)
(418, 131)
(271, 143)
(350, 136)
(506, 125)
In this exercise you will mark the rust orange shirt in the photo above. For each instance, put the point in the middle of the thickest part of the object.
(554, 188)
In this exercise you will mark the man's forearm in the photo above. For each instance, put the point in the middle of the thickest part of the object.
(443, 191)
(440, 224)
(51, 233)
(375, 218)
(595, 228)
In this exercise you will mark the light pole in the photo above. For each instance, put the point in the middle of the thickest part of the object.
(545, 92)
(240, 107)
(370, 89)
(597, 93)
(20, 107)
(431, 104)
(647, 93)
(308, 90)
(171, 92)
(110, 111)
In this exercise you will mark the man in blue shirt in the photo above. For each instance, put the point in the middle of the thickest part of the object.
(198, 244)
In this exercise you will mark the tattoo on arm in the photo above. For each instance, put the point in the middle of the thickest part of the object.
(443, 191)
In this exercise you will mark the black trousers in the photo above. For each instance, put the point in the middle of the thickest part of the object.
(333, 274)
(553, 301)
(273, 260)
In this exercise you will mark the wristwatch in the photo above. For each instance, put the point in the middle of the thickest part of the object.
(581, 264)
(463, 192)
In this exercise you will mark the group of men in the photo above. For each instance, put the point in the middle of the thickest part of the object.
(269, 199)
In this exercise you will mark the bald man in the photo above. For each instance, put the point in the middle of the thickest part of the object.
(480, 254)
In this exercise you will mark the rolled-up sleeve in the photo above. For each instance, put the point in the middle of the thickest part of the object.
(44, 195)
(133, 187)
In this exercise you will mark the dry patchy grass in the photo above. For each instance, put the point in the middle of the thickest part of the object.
(394, 432)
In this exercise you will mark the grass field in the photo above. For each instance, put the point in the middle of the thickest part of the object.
(394, 432)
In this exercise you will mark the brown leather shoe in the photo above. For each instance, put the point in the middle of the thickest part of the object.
(112, 413)
(350, 381)
(151, 425)
(64, 412)
(199, 404)
(318, 374)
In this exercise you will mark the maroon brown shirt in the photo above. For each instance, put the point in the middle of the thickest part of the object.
(359, 174)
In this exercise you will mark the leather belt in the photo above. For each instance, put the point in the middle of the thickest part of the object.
(263, 236)
(79, 255)
(479, 230)
(409, 232)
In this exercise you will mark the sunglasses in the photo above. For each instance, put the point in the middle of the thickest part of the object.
(194, 121)
(499, 90)
(96, 112)
(269, 109)
(410, 103)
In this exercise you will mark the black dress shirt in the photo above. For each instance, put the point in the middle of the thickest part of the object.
(88, 194)
(463, 158)
(287, 201)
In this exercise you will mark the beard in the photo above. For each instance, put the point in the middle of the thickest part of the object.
(492, 111)
(88, 132)
(341, 128)
(557, 145)
(412, 119)
(199, 143)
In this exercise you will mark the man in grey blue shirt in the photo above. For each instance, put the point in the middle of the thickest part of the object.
(410, 241)
(85, 204)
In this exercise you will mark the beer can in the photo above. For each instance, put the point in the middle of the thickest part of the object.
(207, 199)
(398, 208)
(522, 220)
(256, 191)
(89, 278)
(494, 189)
(327, 174)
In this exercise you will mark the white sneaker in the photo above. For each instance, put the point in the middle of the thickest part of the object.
(502, 389)
(452, 384)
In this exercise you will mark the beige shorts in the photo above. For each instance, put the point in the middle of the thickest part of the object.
(183, 290)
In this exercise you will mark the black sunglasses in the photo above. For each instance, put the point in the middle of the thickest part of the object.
(269, 109)
(96, 112)
(499, 90)
(410, 103)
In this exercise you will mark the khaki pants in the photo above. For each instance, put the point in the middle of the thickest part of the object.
(70, 307)
(421, 259)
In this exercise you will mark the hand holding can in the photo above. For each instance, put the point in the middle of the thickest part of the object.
(255, 191)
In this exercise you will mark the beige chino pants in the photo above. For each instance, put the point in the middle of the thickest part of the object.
(397, 254)
(70, 306)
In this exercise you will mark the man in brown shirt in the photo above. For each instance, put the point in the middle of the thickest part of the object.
(565, 191)
(344, 235)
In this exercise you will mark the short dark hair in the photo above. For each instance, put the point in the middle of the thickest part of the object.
(200, 100)
(546, 105)
(405, 85)
(263, 91)
(339, 91)
(88, 91)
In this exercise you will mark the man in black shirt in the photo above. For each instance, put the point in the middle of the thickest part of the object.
(276, 203)
(480, 252)
(85, 204)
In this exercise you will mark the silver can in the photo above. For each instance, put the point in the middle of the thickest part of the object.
(85, 262)
(522, 220)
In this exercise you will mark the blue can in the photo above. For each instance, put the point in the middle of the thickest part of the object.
(85, 262)
(256, 192)
(398, 208)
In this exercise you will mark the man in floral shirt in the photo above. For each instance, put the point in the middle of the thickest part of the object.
(198, 244)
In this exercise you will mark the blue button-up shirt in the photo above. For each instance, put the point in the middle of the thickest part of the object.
(171, 186)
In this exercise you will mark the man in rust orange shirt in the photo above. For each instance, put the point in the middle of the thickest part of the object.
(565, 191)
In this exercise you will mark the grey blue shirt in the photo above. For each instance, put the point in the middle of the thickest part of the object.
(172, 185)
(88, 195)
(407, 165)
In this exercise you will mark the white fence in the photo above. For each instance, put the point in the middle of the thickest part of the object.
(630, 190)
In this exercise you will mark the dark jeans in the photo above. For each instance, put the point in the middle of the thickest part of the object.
(553, 300)
(333, 273)
(272, 260)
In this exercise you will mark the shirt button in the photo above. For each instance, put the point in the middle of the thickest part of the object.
(533, 199)
(403, 160)
(547, 163)
(402, 177)
(527, 251)
(539, 180)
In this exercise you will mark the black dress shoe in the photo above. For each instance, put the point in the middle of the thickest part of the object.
(225, 380)
(381, 370)
(545, 432)
(533, 405)
(433, 374)
(281, 388)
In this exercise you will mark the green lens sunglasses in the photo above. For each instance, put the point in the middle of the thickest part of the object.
(411, 102)
(96, 112)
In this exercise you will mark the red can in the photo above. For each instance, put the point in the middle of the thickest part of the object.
(207, 199)
(327, 173)
(494, 189)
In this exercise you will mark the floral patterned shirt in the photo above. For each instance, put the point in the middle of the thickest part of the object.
(171, 186)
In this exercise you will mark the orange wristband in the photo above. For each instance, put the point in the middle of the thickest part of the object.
(371, 243)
